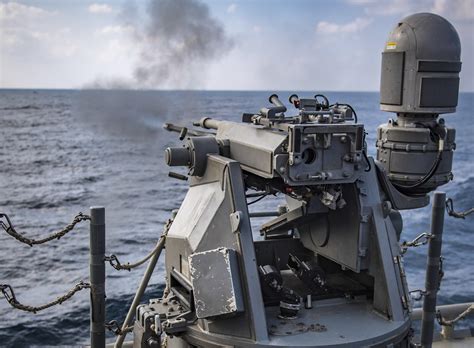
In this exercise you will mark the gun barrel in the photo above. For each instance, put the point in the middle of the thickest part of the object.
(209, 123)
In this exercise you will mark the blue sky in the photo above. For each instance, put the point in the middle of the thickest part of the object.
(277, 44)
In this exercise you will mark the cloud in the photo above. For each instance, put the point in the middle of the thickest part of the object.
(455, 9)
(26, 29)
(116, 29)
(53, 44)
(13, 11)
(232, 8)
(333, 28)
(393, 7)
(100, 8)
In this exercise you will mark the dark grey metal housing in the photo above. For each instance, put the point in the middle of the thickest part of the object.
(420, 66)
(336, 241)
(419, 81)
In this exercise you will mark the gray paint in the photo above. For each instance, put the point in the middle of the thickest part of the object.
(214, 214)
(419, 81)
(97, 276)
(433, 269)
(342, 214)
(216, 283)
(420, 66)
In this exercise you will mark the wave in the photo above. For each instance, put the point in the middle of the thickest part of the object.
(23, 107)
(43, 203)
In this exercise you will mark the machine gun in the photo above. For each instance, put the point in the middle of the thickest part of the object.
(335, 244)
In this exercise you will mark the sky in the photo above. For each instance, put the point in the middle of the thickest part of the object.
(264, 44)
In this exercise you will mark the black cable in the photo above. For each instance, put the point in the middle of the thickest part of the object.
(350, 107)
(364, 152)
(433, 168)
(369, 166)
(258, 199)
(256, 194)
(427, 177)
(326, 100)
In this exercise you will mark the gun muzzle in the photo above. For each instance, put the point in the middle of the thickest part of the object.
(193, 155)
(177, 156)
(274, 110)
(275, 101)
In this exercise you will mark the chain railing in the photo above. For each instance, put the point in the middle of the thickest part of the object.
(8, 228)
(451, 322)
(10, 296)
(419, 240)
(115, 263)
(7, 289)
(96, 284)
(417, 295)
(121, 330)
(451, 212)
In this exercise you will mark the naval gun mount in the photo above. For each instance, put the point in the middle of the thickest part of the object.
(328, 271)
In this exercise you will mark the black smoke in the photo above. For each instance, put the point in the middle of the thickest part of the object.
(175, 42)
(178, 42)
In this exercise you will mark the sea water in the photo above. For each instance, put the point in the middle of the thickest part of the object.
(62, 151)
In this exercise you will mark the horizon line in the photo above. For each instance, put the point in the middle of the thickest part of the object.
(194, 90)
(180, 90)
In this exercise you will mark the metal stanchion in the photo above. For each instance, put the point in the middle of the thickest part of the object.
(433, 270)
(97, 276)
(140, 291)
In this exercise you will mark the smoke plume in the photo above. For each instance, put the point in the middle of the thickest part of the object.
(175, 43)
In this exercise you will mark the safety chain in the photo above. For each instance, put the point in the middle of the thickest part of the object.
(421, 239)
(461, 316)
(116, 328)
(458, 215)
(8, 227)
(420, 293)
(115, 263)
(7, 291)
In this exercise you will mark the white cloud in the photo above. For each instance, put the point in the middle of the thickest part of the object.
(232, 8)
(116, 29)
(257, 29)
(12, 11)
(393, 7)
(333, 28)
(27, 29)
(56, 44)
(455, 9)
(100, 8)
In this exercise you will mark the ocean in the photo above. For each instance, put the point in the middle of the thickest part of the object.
(62, 151)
